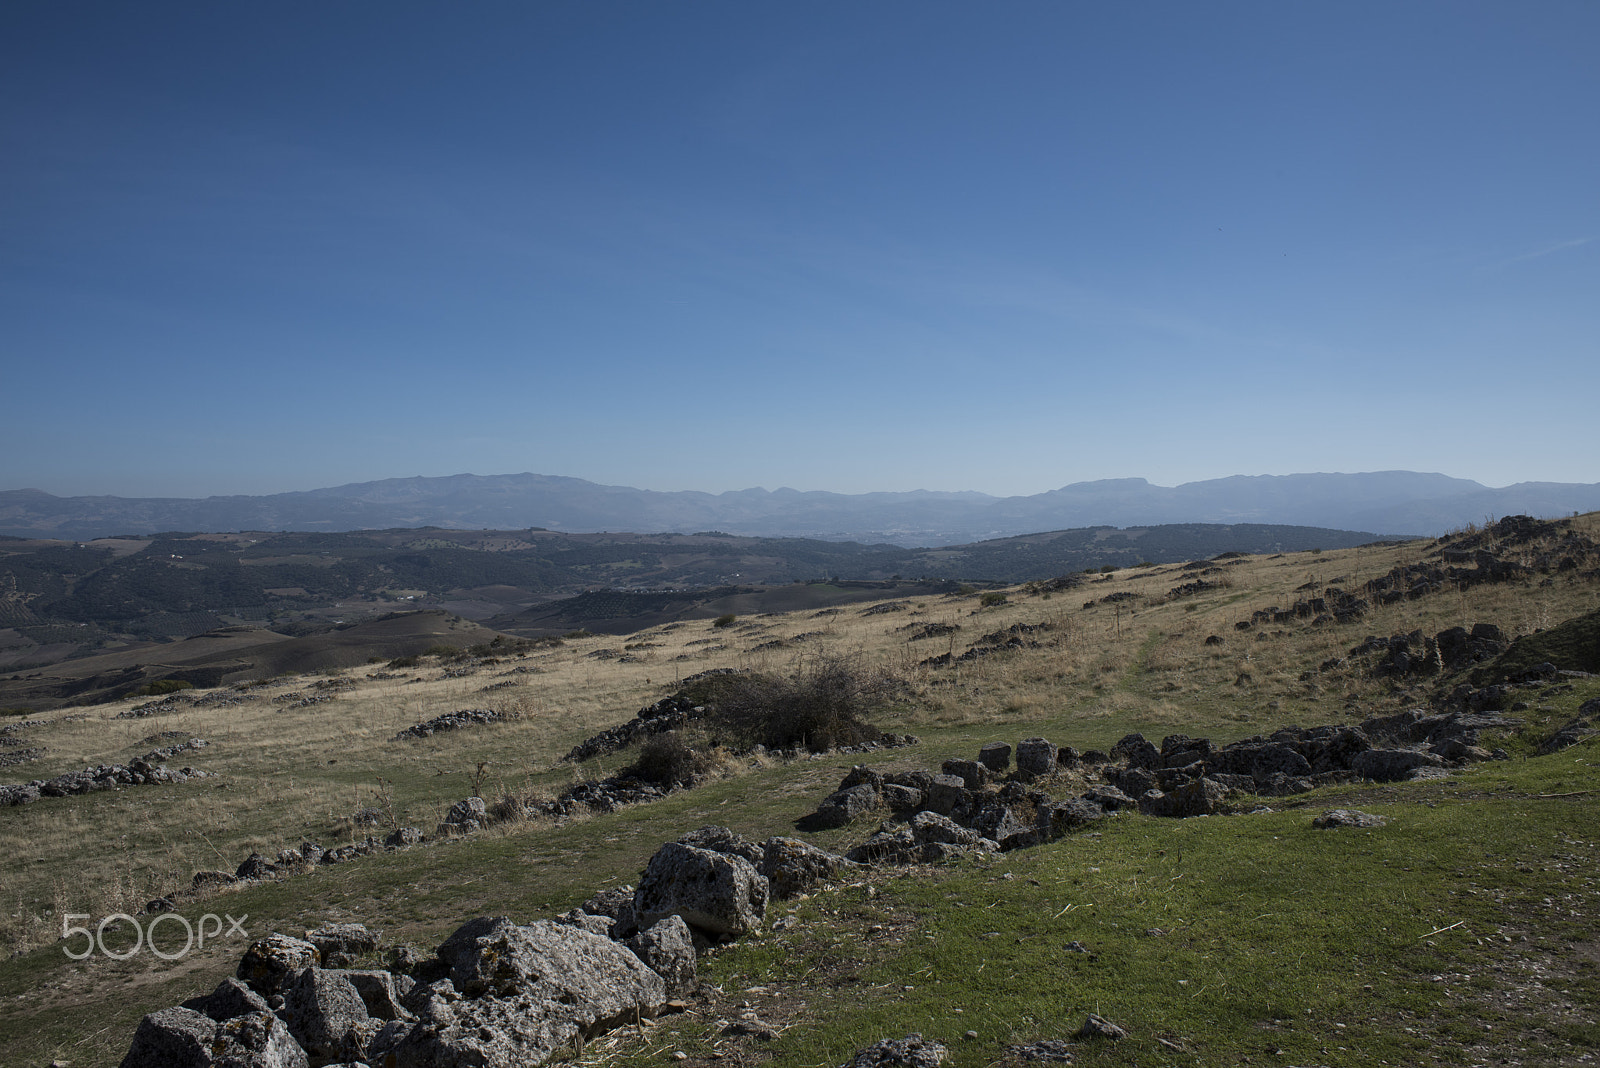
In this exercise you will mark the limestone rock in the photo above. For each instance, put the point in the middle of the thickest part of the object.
(1058, 817)
(845, 806)
(792, 866)
(996, 756)
(901, 798)
(668, 949)
(1198, 797)
(231, 998)
(271, 961)
(1393, 765)
(717, 893)
(596, 979)
(586, 921)
(913, 1051)
(322, 1009)
(383, 993)
(183, 1038)
(1348, 817)
(945, 793)
(1095, 1026)
(722, 840)
(1035, 757)
(973, 774)
(340, 944)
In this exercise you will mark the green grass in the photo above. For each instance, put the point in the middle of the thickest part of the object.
(1242, 938)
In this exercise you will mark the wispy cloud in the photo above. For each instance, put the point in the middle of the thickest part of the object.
(1548, 249)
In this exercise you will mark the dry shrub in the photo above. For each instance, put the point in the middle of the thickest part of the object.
(667, 759)
(822, 706)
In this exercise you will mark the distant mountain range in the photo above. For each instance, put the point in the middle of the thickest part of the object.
(1389, 502)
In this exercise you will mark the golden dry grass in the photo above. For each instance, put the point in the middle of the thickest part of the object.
(1096, 671)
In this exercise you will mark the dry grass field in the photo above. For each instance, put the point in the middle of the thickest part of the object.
(1115, 653)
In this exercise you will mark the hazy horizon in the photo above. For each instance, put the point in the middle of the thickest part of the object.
(795, 489)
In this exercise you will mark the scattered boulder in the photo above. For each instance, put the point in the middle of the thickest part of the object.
(382, 992)
(792, 866)
(1393, 765)
(667, 948)
(617, 903)
(845, 806)
(1348, 817)
(467, 815)
(722, 840)
(1035, 757)
(271, 962)
(256, 866)
(231, 998)
(913, 1051)
(1198, 797)
(594, 977)
(183, 1038)
(972, 773)
(1097, 1026)
(996, 756)
(326, 1015)
(719, 894)
(944, 794)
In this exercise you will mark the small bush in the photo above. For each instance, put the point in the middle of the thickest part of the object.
(165, 686)
(821, 707)
(444, 652)
(574, 635)
(668, 760)
(405, 661)
(992, 598)
(724, 621)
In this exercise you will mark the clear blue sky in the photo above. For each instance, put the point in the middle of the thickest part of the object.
(255, 247)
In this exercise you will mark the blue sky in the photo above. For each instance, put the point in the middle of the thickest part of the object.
(249, 247)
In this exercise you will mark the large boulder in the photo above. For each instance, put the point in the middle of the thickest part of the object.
(594, 977)
(513, 1032)
(1198, 797)
(944, 794)
(340, 944)
(717, 893)
(183, 1038)
(793, 867)
(930, 828)
(996, 756)
(973, 773)
(326, 1015)
(231, 998)
(1261, 760)
(667, 948)
(272, 961)
(1035, 757)
(1056, 818)
(383, 993)
(897, 846)
(1393, 765)
(722, 840)
(845, 806)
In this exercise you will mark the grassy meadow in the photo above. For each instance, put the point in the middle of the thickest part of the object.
(1463, 932)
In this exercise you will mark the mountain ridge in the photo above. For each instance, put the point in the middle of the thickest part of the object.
(1393, 502)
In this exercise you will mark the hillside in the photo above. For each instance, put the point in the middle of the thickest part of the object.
(1462, 930)
(1390, 502)
(63, 601)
